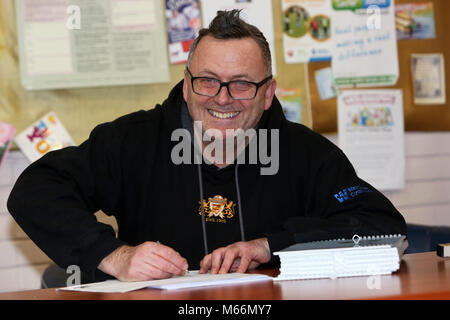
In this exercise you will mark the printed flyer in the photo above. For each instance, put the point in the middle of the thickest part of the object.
(45, 135)
(364, 50)
(291, 102)
(428, 73)
(183, 20)
(306, 30)
(371, 134)
(415, 21)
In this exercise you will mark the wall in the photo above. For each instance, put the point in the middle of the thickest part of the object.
(21, 261)
(424, 200)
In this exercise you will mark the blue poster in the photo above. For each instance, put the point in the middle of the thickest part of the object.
(183, 22)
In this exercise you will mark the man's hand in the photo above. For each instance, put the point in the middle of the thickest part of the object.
(147, 261)
(237, 257)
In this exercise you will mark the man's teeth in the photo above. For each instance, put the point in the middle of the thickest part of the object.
(223, 115)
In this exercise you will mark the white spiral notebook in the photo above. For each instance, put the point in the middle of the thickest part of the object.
(359, 256)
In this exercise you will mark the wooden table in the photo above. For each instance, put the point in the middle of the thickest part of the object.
(421, 276)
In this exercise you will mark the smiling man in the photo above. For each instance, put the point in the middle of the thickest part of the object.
(209, 215)
(225, 88)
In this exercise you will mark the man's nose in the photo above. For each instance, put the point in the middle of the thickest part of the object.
(223, 96)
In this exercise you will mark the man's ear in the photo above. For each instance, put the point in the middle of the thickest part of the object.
(185, 85)
(270, 92)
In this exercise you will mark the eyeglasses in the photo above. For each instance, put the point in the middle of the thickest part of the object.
(237, 89)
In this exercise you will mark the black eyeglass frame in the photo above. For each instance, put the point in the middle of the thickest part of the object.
(226, 84)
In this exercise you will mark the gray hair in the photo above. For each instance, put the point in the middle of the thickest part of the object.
(228, 25)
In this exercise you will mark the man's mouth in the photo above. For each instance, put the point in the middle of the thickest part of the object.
(223, 115)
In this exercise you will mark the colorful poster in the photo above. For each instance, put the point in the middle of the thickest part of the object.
(256, 12)
(428, 73)
(183, 21)
(6, 136)
(415, 21)
(371, 134)
(306, 30)
(364, 50)
(45, 135)
(291, 102)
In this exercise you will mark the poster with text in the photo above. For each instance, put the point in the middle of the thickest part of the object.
(78, 43)
(371, 134)
(415, 21)
(428, 75)
(256, 12)
(306, 30)
(183, 21)
(364, 50)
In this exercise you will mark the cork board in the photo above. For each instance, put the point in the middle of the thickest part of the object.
(81, 109)
(417, 117)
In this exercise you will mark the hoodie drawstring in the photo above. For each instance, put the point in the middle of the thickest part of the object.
(238, 192)
(200, 180)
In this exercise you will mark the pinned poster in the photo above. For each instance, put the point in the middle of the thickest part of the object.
(428, 73)
(183, 21)
(79, 43)
(371, 133)
(364, 50)
(256, 12)
(415, 21)
(291, 103)
(306, 30)
(45, 135)
(6, 136)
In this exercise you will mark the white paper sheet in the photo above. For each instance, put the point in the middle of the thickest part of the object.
(191, 280)
(371, 133)
(258, 13)
(428, 73)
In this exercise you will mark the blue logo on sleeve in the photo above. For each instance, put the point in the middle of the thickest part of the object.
(350, 192)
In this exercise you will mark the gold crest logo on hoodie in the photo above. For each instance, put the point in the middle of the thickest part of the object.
(218, 209)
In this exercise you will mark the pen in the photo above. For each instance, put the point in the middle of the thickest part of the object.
(186, 272)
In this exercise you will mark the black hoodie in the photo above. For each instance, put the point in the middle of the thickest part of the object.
(125, 170)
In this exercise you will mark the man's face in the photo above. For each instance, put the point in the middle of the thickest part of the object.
(227, 60)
